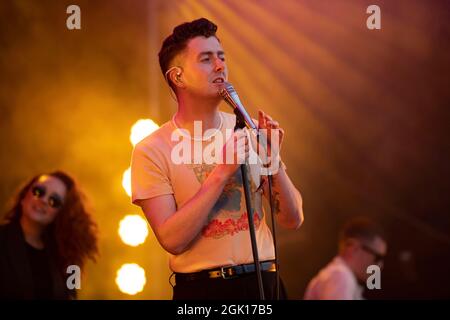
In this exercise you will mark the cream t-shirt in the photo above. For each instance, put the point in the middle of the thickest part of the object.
(225, 240)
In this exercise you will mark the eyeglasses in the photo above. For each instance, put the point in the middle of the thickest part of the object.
(53, 201)
(378, 257)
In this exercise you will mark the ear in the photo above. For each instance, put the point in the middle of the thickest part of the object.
(176, 77)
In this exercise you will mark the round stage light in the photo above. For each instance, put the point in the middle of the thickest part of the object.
(133, 230)
(131, 278)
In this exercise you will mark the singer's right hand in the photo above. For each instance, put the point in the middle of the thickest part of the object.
(234, 152)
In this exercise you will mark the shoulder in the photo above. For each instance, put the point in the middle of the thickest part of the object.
(4, 229)
(154, 151)
(339, 274)
(158, 137)
(335, 270)
(155, 145)
(8, 234)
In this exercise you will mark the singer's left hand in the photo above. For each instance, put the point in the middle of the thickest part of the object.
(266, 122)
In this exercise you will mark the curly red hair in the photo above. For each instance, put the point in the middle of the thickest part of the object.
(72, 236)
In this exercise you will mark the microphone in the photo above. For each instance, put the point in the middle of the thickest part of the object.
(230, 96)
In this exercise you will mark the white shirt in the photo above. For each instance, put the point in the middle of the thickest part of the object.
(334, 282)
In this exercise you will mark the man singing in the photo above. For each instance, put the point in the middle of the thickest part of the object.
(197, 208)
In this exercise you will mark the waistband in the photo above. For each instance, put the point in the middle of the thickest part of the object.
(228, 272)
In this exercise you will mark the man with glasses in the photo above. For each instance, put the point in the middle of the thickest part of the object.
(361, 244)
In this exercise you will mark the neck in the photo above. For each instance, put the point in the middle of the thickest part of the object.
(32, 232)
(350, 263)
(194, 109)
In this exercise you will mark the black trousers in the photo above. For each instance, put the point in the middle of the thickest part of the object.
(244, 287)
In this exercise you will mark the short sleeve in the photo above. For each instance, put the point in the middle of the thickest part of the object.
(149, 174)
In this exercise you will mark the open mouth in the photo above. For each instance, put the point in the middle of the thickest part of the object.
(219, 80)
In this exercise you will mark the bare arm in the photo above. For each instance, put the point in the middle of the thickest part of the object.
(174, 229)
(287, 200)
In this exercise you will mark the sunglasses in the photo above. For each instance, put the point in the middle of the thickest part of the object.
(53, 201)
(378, 257)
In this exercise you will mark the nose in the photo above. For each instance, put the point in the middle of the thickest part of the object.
(43, 200)
(220, 65)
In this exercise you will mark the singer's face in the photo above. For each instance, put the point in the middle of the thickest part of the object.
(204, 67)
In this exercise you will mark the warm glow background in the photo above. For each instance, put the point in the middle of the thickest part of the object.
(363, 111)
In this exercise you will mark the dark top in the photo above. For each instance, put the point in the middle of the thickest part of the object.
(25, 272)
(40, 272)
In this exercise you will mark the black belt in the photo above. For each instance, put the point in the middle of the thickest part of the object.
(225, 272)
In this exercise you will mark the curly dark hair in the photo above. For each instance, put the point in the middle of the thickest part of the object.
(72, 236)
(177, 41)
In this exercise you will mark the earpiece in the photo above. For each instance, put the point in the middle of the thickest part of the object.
(177, 75)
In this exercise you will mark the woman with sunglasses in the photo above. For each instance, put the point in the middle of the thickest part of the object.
(47, 230)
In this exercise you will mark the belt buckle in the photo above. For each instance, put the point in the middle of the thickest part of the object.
(225, 274)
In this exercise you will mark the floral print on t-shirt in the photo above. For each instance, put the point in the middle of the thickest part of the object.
(227, 217)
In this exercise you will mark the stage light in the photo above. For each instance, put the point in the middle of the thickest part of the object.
(131, 278)
(141, 129)
(126, 181)
(133, 230)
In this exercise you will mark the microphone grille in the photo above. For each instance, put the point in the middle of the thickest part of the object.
(227, 90)
(229, 87)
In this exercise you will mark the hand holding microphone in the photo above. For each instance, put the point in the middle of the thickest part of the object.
(235, 152)
(266, 129)
(231, 97)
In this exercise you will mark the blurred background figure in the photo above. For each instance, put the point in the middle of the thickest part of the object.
(47, 229)
(361, 244)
